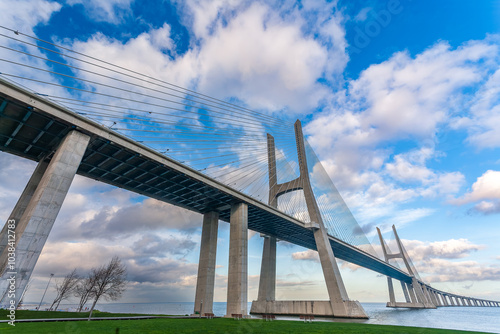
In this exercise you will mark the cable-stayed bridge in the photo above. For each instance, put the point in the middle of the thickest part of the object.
(122, 127)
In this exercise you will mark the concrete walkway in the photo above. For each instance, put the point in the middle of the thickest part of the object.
(103, 318)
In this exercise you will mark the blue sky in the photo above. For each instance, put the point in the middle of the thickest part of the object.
(399, 99)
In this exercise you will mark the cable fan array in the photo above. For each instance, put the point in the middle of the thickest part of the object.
(225, 141)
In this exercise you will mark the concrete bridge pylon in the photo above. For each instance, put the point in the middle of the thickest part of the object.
(419, 294)
(339, 304)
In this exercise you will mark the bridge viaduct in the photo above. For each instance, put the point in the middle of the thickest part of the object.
(64, 143)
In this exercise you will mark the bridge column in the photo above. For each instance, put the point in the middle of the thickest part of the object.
(237, 280)
(204, 298)
(35, 224)
(392, 298)
(413, 295)
(428, 295)
(432, 296)
(267, 283)
(438, 298)
(445, 299)
(418, 291)
(405, 291)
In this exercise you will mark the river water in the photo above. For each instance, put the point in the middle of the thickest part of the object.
(483, 319)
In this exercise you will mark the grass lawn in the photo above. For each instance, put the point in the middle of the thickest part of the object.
(211, 326)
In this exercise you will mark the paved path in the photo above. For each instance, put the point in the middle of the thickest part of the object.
(102, 318)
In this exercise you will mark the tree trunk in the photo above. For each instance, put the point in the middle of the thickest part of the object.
(53, 303)
(92, 308)
(59, 302)
(83, 301)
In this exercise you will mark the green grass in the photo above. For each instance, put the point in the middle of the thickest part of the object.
(212, 326)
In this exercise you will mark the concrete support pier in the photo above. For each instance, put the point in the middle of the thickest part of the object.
(237, 281)
(267, 283)
(204, 298)
(38, 217)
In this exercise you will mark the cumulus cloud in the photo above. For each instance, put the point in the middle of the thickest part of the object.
(486, 187)
(24, 15)
(483, 120)
(308, 255)
(263, 61)
(265, 56)
(150, 215)
(440, 270)
(437, 261)
(449, 249)
(155, 246)
(404, 97)
(486, 191)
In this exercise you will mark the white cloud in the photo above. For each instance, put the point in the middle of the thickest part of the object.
(105, 10)
(405, 97)
(449, 249)
(437, 261)
(308, 255)
(484, 119)
(203, 15)
(411, 166)
(264, 61)
(269, 55)
(24, 15)
(486, 191)
(440, 270)
(267, 59)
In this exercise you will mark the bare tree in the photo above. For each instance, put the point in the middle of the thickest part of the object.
(84, 290)
(109, 281)
(65, 289)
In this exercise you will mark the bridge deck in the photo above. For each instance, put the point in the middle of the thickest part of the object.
(32, 127)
